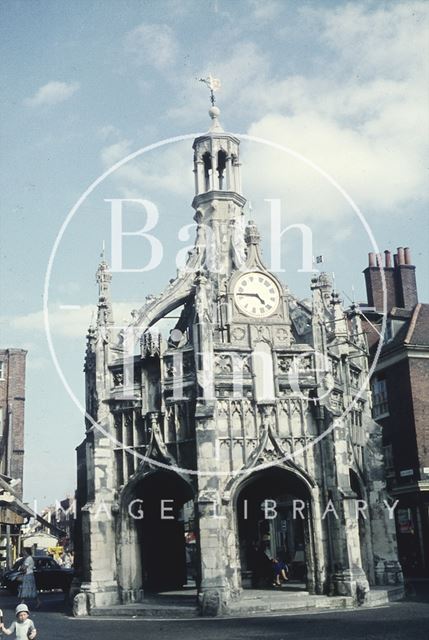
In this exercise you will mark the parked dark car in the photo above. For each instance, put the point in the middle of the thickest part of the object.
(47, 572)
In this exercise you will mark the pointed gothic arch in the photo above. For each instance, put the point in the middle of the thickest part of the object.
(151, 530)
(208, 170)
(221, 167)
(274, 512)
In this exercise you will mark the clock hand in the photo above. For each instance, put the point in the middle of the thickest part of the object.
(253, 295)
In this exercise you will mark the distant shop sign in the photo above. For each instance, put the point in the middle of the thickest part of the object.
(406, 472)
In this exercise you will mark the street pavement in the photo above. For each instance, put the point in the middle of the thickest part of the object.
(407, 620)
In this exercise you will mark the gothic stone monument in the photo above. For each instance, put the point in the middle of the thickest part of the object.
(250, 425)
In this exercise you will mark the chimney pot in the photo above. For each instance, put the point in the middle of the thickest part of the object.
(371, 259)
(407, 255)
(388, 258)
(401, 259)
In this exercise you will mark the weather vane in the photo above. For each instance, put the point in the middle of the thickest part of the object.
(213, 84)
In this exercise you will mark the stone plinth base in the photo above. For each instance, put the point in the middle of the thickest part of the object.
(388, 572)
(93, 595)
(129, 596)
(353, 584)
(213, 602)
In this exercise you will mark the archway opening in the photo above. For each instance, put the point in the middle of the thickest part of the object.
(163, 514)
(355, 486)
(274, 527)
(207, 160)
(221, 165)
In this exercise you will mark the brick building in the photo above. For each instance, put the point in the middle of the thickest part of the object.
(13, 511)
(12, 401)
(400, 386)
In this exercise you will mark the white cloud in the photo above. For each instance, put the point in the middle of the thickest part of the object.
(52, 93)
(152, 44)
(68, 323)
(359, 113)
(363, 119)
(168, 168)
(111, 154)
(265, 11)
(390, 39)
(108, 131)
(380, 170)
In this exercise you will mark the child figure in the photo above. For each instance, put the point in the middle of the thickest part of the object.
(23, 627)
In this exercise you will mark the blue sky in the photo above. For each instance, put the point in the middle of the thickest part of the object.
(86, 83)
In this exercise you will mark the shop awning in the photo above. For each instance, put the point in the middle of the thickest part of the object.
(9, 500)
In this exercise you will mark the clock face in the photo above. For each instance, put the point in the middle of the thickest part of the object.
(256, 294)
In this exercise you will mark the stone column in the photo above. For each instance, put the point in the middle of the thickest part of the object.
(228, 173)
(317, 569)
(99, 531)
(387, 569)
(130, 579)
(199, 177)
(347, 575)
(349, 578)
(213, 594)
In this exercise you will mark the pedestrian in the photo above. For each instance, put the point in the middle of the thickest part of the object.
(67, 560)
(27, 589)
(23, 627)
(280, 572)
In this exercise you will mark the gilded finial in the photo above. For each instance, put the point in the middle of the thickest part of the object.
(213, 84)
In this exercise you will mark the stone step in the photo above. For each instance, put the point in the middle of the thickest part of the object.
(288, 602)
(138, 610)
(383, 595)
(250, 603)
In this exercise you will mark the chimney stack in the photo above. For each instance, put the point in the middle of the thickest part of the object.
(374, 281)
(400, 280)
(405, 276)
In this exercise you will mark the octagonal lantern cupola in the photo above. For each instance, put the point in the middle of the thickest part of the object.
(217, 164)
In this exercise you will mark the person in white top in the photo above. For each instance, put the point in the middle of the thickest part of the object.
(23, 627)
(67, 560)
(27, 589)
